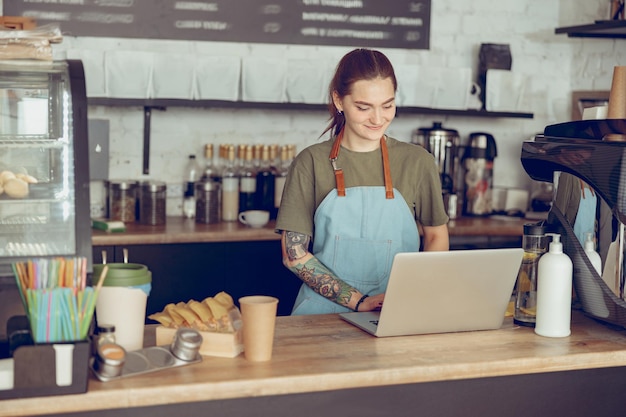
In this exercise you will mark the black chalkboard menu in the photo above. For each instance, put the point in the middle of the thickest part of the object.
(370, 23)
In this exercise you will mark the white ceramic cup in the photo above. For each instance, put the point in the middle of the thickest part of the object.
(254, 218)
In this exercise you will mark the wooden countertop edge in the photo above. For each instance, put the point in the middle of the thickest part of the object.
(186, 231)
(233, 389)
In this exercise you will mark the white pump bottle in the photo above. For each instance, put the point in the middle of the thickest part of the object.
(590, 250)
(554, 291)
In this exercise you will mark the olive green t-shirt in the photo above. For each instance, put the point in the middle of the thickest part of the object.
(311, 177)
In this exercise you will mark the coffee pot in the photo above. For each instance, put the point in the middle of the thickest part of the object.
(478, 158)
(444, 145)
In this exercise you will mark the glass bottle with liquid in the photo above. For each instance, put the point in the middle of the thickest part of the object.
(191, 176)
(265, 184)
(534, 243)
(247, 181)
(211, 171)
(230, 187)
(281, 174)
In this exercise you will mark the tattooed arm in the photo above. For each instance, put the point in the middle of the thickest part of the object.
(298, 259)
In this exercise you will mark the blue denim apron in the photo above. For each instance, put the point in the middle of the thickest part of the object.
(357, 233)
(586, 215)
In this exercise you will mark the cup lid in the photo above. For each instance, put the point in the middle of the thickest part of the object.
(123, 275)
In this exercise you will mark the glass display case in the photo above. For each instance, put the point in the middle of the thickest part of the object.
(44, 169)
(44, 212)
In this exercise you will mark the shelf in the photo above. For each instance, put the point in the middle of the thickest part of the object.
(599, 29)
(164, 103)
(161, 104)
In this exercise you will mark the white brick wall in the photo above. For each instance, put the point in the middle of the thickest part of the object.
(556, 64)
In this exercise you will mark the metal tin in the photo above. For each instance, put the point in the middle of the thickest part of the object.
(109, 360)
(186, 344)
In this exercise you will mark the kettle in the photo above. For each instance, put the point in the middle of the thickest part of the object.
(443, 144)
(478, 158)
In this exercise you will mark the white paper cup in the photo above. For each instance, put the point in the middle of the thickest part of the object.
(125, 308)
(258, 313)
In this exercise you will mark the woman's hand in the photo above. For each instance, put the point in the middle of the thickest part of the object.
(372, 303)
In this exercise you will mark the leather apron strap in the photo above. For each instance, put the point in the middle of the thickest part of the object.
(339, 180)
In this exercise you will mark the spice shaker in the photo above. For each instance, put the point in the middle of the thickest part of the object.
(106, 333)
(186, 344)
(109, 360)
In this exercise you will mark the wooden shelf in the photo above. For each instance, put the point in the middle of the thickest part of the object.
(599, 29)
(164, 103)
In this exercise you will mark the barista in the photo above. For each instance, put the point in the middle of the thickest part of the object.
(351, 203)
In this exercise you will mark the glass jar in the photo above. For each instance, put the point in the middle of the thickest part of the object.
(534, 243)
(123, 200)
(106, 334)
(208, 202)
(152, 203)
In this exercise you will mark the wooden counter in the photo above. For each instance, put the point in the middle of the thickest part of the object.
(180, 230)
(319, 360)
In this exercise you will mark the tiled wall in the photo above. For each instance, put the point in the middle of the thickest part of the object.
(555, 64)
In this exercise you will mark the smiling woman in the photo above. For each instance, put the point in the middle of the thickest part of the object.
(352, 202)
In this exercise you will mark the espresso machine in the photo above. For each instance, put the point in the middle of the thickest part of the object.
(572, 155)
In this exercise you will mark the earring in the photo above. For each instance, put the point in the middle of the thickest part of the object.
(339, 113)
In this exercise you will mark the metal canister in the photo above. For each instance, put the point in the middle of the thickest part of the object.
(123, 200)
(152, 202)
(109, 360)
(186, 344)
(443, 144)
(208, 201)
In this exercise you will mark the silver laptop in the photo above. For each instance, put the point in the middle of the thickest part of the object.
(441, 292)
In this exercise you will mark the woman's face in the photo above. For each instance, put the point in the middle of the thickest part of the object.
(368, 109)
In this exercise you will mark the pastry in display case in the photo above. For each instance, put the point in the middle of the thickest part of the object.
(44, 174)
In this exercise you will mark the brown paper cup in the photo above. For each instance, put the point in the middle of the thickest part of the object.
(258, 313)
(617, 96)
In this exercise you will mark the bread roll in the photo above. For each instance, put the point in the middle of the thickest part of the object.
(5, 176)
(16, 188)
(28, 178)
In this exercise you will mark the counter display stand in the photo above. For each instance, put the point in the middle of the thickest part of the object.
(35, 372)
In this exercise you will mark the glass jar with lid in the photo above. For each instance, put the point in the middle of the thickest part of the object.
(123, 200)
(152, 202)
(208, 201)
